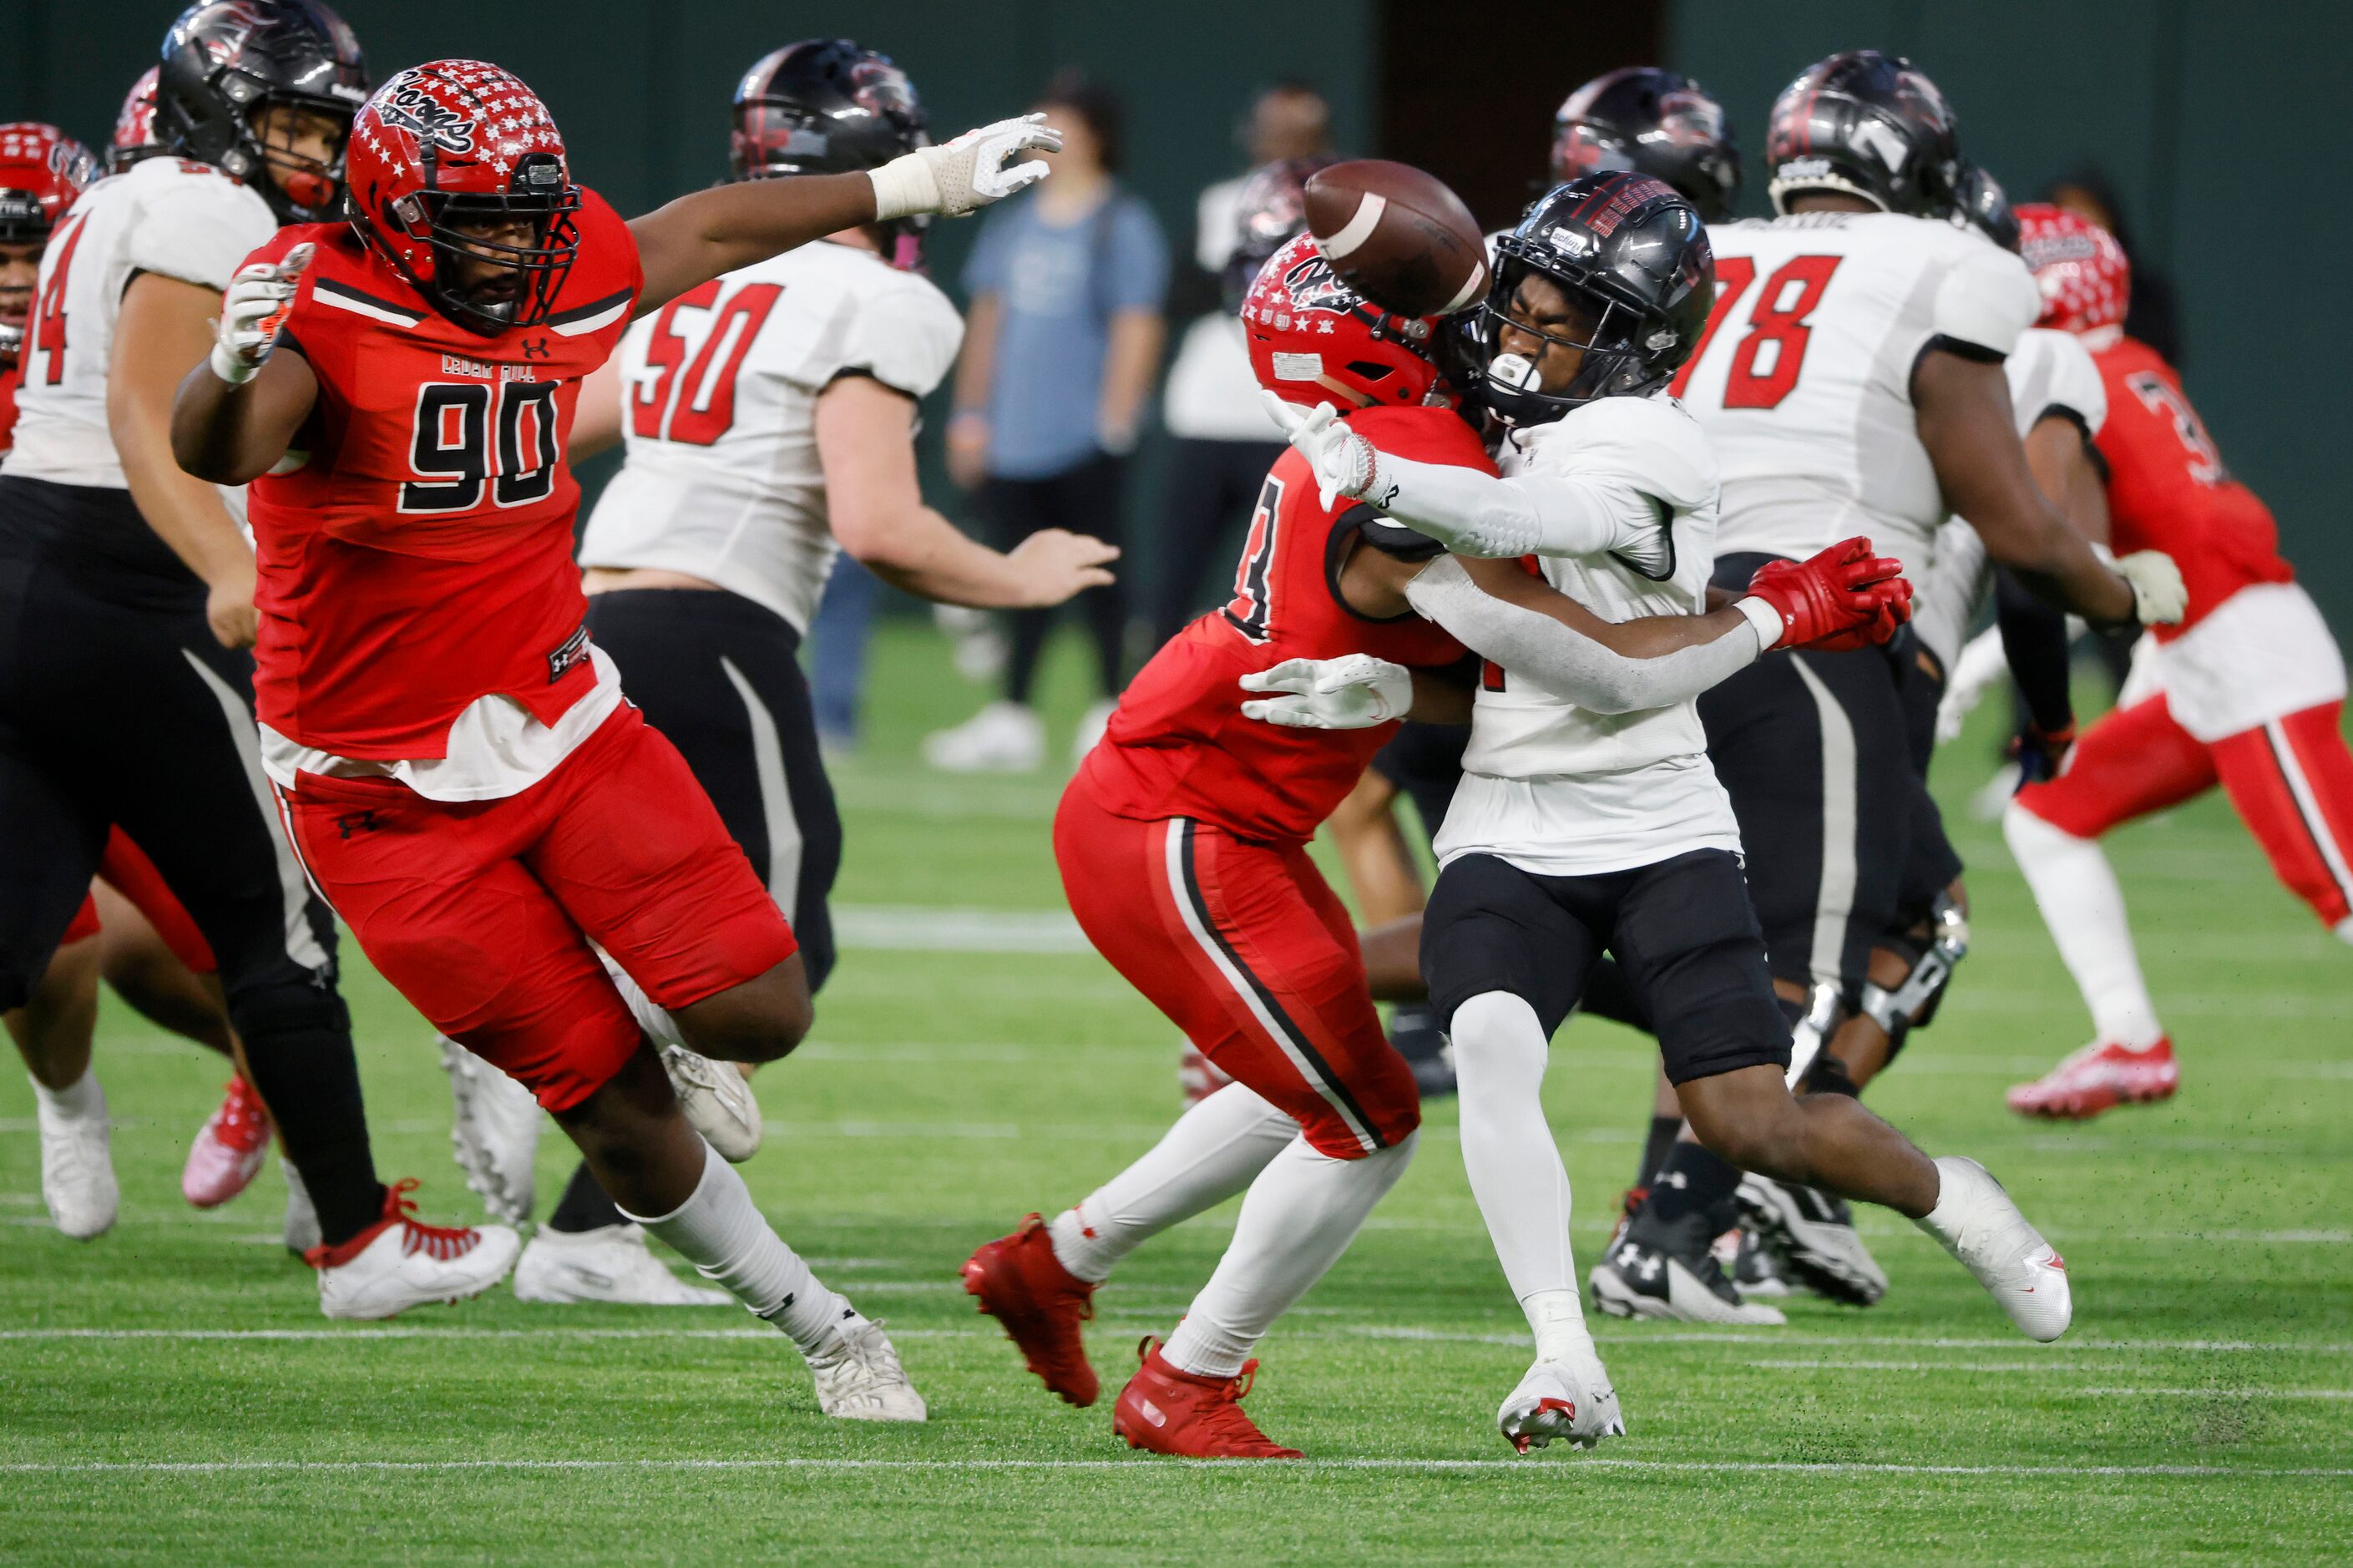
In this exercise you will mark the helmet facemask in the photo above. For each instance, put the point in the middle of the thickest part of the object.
(486, 284)
(1615, 362)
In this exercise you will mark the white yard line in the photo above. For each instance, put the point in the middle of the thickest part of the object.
(923, 928)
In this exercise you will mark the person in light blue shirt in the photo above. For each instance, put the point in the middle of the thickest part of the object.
(1061, 343)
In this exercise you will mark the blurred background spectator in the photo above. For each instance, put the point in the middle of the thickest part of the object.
(1061, 345)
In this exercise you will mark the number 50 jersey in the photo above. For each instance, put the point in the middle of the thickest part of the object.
(1803, 378)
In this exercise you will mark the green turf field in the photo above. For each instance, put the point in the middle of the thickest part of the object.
(169, 1392)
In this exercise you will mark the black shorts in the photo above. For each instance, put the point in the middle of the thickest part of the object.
(1683, 933)
(1425, 763)
(717, 674)
(1932, 863)
(118, 707)
(1813, 749)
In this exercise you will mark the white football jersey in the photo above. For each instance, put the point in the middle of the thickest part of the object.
(1803, 382)
(2050, 373)
(1555, 788)
(719, 415)
(164, 216)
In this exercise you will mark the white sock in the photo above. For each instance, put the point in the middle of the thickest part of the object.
(2344, 929)
(656, 1022)
(1508, 1151)
(1299, 1217)
(2081, 902)
(723, 1233)
(1216, 1149)
(1557, 1318)
(78, 1102)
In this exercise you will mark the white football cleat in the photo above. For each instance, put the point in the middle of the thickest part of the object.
(1978, 1223)
(1568, 1399)
(1002, 738)
(859, 1378)
(611, 1263)
(78, 1165)
(396, 1263)
(718, 1100)
(495, 1132)
(302, 1218)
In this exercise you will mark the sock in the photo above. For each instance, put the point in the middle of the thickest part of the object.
(78, 1102)
(1656, 1146)
(1215, 1149)
(1298, 1218)
(1557, 1318)
(298, 1043)
(1694, 1187)
(583, 1206)
(1508, 1151)
(2344, 930)
(2081, 902)
(730, 1244)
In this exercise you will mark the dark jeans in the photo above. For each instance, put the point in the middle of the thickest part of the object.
(1083, 499)
(1213, 487)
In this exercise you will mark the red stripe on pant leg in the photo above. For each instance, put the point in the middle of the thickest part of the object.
(2134, 761)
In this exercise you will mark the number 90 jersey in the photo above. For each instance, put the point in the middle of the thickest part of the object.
(416, 549)
(719, 410)
(1803, 378)
(1179, 745)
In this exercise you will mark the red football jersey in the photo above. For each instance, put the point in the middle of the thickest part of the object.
(10, 375)
(1180, 746)
(2168, 490)
(421, 556)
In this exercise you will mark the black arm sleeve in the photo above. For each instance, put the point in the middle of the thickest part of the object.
(2034, 636)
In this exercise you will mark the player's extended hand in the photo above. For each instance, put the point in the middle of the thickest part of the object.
(967, 174)
(228, 608)
(1845, 597)
(1053, 564)
(252, 312)
(1354, 692)
(1342, 461)
(2160, 596)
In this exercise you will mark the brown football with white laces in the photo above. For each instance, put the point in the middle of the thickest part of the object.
(1397, 237)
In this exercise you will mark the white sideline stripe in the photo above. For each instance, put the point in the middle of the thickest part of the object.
(2204, 1393)
(1146, 1466)
(784, 829)
(1358, 228)
(911, 928)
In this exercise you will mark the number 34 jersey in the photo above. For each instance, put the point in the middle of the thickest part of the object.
(1803, 380)
(720, 390)
(415, 550)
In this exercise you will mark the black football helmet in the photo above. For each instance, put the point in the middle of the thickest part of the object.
(1631, 252)
(1980, 202)
(1870, 125)
(226, 60)
(1269, 210)
(825, 106)
(1657, 122)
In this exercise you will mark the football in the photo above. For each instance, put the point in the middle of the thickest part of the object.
(1397, 237)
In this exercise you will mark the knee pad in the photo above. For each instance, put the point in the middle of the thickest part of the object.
(1499, 1030)
(1913, 1003)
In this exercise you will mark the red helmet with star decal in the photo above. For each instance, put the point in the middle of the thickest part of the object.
(1315, 340)
(42, 170)
(458, 178)
(134, 127)
(2085, 280)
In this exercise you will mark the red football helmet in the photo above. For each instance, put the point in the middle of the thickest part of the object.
(42, 170)
(2085, 280)
(445, 161)
(134, 127)
(1314, 340)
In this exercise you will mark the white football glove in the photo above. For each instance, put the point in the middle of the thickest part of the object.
(965, 174)
(1354, 692)
(252, 312)
(1344, 462)
(2160, 596)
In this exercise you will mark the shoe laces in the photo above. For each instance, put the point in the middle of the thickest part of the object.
(242, 1123)
(441, 1242)
(862, 1363)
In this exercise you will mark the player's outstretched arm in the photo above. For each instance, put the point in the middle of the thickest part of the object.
(1965, 423)
(699, 237)
(865, 442)
(238, 411)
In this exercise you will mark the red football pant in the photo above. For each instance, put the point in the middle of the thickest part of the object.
(1247, 950)
(124, 866)
(2291, 782)
(481, 912)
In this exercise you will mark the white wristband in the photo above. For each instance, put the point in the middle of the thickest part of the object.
(231, 369)
(1763, 617)
(905, 186)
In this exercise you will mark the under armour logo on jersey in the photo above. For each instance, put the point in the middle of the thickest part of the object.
(572, 650)
(534, 348)
(414, 110)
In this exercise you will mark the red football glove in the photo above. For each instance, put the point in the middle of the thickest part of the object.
(1843, 598)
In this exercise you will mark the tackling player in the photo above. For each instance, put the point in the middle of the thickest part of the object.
(129, 604)
(450, 751)
(2253, 688)
(1182, 844)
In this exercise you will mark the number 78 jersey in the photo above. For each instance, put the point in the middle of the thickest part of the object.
(1803, 378)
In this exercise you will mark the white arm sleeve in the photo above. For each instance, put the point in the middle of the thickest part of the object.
(1473, 513)
(1565, 663)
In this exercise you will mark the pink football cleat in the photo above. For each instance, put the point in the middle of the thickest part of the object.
(2100, 1076)
(229, 1150)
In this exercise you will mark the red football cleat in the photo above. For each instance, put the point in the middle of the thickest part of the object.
(2100, 1076)
(229, 1150)
(1168, 1411)
(1024, 1286)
